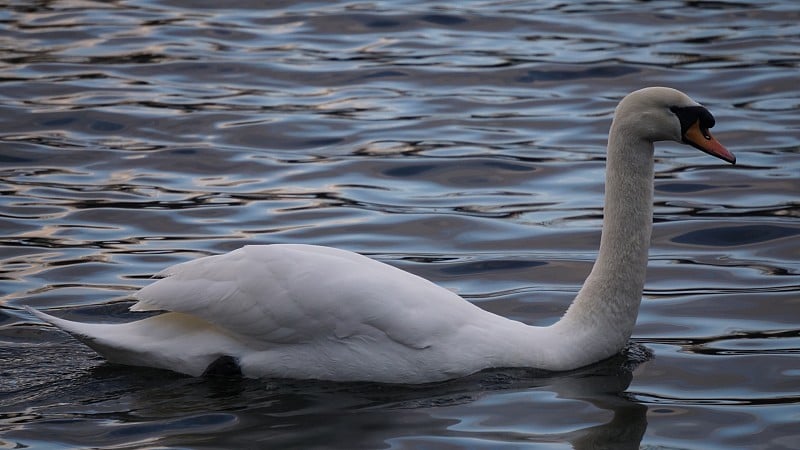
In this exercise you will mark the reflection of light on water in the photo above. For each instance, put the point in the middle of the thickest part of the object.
(462, 142)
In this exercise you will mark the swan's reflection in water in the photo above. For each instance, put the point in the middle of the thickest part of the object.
(110, 405)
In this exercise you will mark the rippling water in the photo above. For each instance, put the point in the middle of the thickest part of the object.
(463, 142)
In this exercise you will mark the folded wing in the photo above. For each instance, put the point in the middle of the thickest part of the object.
(287, 294)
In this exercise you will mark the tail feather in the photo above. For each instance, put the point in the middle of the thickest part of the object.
(169, 341)
(88, 333)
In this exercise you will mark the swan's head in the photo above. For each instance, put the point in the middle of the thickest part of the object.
(666, 114)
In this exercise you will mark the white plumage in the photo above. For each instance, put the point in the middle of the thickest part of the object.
(302, 311)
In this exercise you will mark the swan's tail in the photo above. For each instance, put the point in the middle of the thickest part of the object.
(169, 341)
(90, 334)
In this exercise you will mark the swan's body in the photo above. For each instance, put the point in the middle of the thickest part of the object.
(302, 311)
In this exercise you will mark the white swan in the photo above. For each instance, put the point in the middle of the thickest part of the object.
(303, 311)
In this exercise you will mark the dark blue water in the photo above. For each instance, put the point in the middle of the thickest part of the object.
(462, 142)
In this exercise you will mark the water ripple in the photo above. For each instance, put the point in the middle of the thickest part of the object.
(462, 142)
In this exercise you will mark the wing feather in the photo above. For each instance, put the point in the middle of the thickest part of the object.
(301, 293)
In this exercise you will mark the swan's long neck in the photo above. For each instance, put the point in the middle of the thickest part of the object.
(601, 318)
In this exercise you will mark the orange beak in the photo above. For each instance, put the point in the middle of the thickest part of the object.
(703, 140)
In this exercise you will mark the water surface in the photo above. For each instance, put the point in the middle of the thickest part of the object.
(462, 142)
